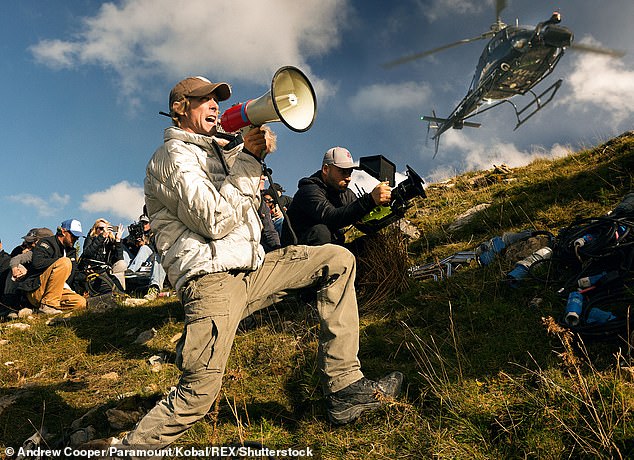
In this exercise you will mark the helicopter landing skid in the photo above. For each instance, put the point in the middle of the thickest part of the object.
(536, 104)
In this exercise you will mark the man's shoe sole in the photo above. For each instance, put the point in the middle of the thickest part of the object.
(351, 413)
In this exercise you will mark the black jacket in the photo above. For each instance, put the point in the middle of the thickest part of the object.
(102, 249)
(5, 269)
(316, 203)
(270, 239)
(45, 253)
(4, 260)
(285, 201)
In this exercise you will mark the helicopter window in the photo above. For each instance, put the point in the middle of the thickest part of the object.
(500, 37)
(495, 43)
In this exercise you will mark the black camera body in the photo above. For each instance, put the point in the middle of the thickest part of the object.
(135, 234)
(406, 190)
(384, 170)
(135, 230)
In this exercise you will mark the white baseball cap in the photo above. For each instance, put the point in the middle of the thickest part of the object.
(73, 226)
(339, 157)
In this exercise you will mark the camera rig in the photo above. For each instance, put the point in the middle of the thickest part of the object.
(135, 230)
(384, 170)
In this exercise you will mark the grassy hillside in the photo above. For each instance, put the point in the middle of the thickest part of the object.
(484, 376)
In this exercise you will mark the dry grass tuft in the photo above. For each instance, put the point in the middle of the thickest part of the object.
(382, 263)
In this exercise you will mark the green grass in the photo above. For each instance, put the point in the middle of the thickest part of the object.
(484, 377)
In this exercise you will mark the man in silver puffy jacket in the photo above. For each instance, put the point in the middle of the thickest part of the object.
(202, 196)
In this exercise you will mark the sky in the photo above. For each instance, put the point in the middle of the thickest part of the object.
(83, 82)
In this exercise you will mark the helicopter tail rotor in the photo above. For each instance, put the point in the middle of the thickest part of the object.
(431, 124)
(443, 124)
(434, 123)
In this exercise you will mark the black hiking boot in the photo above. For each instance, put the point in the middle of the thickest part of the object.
(347, 404)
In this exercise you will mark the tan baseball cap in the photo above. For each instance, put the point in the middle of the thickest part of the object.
(199, 86)
(339, 157)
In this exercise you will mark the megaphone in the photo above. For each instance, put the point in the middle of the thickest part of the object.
(290, 100)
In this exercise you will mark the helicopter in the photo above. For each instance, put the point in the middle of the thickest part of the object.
(515, 60)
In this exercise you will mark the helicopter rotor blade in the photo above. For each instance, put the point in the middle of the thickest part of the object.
(595, 49)
(413, 57)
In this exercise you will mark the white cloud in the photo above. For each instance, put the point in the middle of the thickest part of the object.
(475, 156)
(61, 200)
(599, 82)
(374, 101)
(362, 182)
(228, 39)
(45, 207)
(55, 53)
(123, 200)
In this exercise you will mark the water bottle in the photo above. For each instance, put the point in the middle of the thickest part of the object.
(520, 271)
(574, 306)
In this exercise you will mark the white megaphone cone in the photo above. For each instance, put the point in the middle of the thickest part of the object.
(290, 100)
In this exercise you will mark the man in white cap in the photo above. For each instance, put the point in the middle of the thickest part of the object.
(202, 192)
(53, 266)
(324, 205)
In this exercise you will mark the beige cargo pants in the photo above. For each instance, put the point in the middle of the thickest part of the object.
(214, 305)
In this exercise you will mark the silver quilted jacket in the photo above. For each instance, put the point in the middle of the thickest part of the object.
(204, 220)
